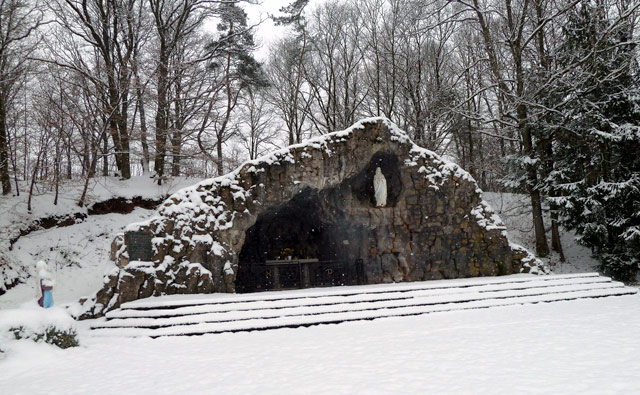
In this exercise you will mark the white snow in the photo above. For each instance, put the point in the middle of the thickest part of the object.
(66, 246)
(77, 255)
(579, 347)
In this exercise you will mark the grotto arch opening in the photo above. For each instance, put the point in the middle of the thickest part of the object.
(304, 242)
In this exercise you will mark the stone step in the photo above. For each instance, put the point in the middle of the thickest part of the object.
(339, 307)
(351, 299)
(262, 312)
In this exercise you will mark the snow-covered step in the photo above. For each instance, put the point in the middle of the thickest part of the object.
(316, 309)
(358, 295)
(175, 301)
(334, 318)
(221, 313)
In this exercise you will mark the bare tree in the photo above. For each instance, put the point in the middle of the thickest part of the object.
(18, 21)
(293, 56)
(334, 73)
(286, 93)
(174, 21)
(509, 72)
(257, 130)
(111, 28)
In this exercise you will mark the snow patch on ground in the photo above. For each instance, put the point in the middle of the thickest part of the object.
(32, 320)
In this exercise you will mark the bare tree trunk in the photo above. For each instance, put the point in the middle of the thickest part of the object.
(92, 169)
(14, 159)
(56, 170)
(542, 248)
(219, 162)
(143, 126)
(4, 149)
(294, 106)
(105, 157)
(161, 120)
(34, 175)
(69, 160)
(33, 181)
(176, 137)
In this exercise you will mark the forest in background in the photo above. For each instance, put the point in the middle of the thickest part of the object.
(538, 97)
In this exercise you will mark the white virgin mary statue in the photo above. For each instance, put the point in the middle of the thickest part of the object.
(380, 188)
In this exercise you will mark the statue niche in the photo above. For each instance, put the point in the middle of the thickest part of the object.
(379, 183)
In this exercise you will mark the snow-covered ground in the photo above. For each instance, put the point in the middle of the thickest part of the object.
(82, 244)
(78, 256)
(585, 346)
(579, 347)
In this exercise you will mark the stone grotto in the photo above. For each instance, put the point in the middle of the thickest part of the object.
(311, 215)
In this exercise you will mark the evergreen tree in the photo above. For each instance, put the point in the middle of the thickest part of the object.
(232, 61)
(596, 151)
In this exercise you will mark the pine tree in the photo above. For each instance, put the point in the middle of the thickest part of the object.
(236, 69)
(596, 152)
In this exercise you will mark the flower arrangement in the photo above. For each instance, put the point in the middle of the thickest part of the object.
(286, 253)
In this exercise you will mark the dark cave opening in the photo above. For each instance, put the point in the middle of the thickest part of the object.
(318, 241)
(294, 225)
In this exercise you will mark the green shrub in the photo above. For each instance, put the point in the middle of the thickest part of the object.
(52, 335)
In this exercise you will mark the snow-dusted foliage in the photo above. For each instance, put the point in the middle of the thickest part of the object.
(53, 325)
(595, 178)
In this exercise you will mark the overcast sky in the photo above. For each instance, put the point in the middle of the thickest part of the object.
(267, 32)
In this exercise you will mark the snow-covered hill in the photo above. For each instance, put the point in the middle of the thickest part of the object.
(515, 211)
(77, 253)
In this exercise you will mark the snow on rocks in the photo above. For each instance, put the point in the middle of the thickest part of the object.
(435, 224)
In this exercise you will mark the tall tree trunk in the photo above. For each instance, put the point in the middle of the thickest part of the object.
(219, 162)
(176, 137)
(162, 114)
(34, 175)
(105, 157)
(515, 40)
(69, 160)
(4, 149)
(92, 169)
(14, 160)
(230, 104)
(56, 169)
(294, 106)
(125, 156)
(542, 248)
(143, 125)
